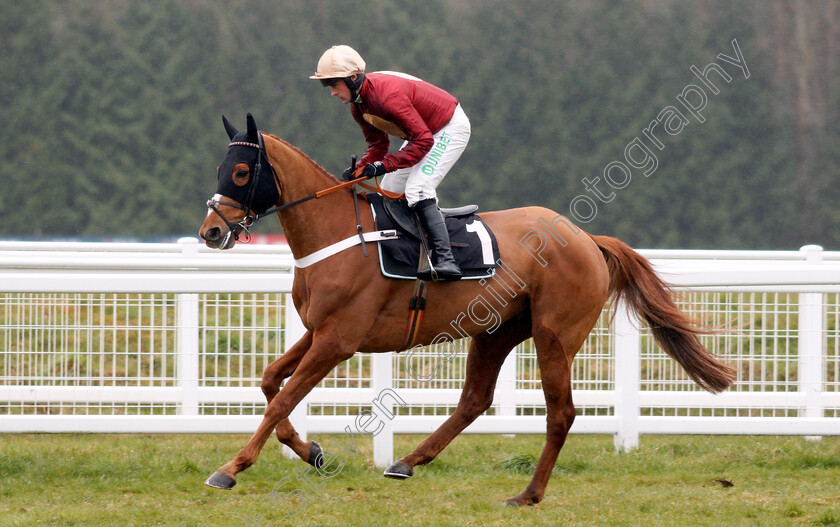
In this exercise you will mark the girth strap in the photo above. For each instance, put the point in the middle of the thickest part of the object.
(416, 308)
(417, 304)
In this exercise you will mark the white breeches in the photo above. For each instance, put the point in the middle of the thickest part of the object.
(419, 182)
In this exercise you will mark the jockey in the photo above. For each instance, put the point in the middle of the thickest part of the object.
(430, 120)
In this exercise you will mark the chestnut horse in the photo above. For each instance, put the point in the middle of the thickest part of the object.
(554, 281)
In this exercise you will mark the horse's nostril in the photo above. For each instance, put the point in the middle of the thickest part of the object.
(212, 234)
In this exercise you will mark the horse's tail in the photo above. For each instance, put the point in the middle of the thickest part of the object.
(633, 279)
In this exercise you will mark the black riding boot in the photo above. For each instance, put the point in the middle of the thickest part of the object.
(433, 225)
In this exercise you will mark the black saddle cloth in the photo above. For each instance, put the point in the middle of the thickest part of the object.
(473, 243)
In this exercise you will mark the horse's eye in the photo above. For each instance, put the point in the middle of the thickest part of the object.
(241, 174)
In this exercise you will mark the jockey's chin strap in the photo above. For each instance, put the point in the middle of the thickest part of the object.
(252, 217)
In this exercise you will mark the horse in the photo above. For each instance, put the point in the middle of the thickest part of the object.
(557, 279)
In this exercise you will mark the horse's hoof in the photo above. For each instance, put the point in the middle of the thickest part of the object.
(316, 457)
(519, 501)
(398, 470)
(220, 481)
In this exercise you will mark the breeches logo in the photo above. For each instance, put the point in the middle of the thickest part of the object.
(432, 160)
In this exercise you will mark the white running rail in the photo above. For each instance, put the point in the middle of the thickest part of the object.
(173, 338)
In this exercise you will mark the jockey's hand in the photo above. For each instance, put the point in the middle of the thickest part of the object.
(347, 175)
(377, 168)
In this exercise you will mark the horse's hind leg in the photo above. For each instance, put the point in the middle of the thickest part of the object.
(273, 375)
(555, 369)
(486, 354)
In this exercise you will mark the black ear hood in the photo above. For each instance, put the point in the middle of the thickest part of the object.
(253, 133)
(245, 149)
(229, 128)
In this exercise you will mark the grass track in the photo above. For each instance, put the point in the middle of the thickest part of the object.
(103, 480)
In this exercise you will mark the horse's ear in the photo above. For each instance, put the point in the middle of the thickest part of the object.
(252, 130)
(229, 128)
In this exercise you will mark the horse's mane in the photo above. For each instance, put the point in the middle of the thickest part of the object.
(302, 154)
(319, 168)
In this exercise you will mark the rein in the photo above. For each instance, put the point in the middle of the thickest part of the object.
(417, 304)
(251, 217)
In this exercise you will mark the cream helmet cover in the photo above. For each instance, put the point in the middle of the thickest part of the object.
(338, 62)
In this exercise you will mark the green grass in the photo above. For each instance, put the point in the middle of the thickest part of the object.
(85, 479)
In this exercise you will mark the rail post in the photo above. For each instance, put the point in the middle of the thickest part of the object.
(505, 395)
(811, 342)
(187, 340)
(293, 331)
(382, 370)
(627, 378)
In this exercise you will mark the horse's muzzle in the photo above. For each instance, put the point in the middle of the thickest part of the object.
(218, 238)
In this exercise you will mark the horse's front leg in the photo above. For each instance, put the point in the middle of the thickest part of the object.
(273, 376)
(325, 353)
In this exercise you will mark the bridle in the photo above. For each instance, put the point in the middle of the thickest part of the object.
(252, 217)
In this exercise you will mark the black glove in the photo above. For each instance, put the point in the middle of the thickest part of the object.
(347, 175)
(377, 168)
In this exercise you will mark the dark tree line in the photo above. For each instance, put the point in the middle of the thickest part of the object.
(111, 109)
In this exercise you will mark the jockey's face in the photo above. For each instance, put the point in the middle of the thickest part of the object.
(341, 91)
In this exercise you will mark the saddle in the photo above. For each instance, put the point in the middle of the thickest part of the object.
(473, 244)
(405, 219)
